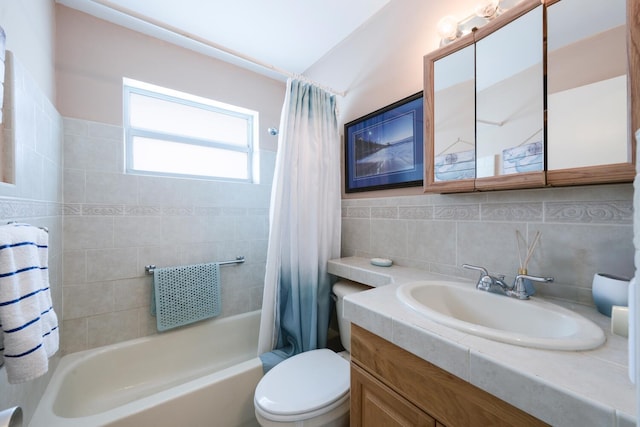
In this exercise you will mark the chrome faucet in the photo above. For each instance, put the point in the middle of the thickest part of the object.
(487, 282)
(496, 284)
(520, 290)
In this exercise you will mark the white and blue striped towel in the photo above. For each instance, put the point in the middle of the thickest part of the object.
(28, 323)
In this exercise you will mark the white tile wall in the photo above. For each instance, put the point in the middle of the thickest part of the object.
(32, 129)
(116, 223)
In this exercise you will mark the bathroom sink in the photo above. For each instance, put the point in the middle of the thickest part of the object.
(528, 323)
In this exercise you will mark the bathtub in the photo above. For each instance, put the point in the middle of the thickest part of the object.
(200, 375)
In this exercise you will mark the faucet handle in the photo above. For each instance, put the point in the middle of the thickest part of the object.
(520, 289)
(485, 280)
(520, 278)
(482, 270)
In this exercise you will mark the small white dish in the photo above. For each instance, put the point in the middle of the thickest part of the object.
(381, 262)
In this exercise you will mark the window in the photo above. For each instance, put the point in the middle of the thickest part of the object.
(171, 133)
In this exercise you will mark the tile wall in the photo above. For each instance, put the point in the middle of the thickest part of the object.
(584, 230)
(115, 224)
(32, 129)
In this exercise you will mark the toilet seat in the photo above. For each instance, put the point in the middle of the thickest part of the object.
(303, 386)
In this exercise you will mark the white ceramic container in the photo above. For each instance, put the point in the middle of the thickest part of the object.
(609, 290)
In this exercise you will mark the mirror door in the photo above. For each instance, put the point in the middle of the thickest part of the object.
(450, 108)
(589, 133)
(510, 137)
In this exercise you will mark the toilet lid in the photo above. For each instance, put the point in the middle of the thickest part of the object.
(303, 383)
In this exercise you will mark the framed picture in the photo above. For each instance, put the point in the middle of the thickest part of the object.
(384, 149)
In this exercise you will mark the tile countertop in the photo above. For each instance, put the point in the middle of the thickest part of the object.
(562, 388)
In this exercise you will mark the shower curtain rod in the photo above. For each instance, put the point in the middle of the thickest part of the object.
(177, 32)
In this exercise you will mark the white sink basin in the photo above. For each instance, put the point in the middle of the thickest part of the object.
(528, 323)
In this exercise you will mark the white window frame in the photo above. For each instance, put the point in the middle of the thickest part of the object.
(136, 87)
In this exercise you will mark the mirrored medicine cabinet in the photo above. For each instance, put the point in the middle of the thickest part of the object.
(542, 95)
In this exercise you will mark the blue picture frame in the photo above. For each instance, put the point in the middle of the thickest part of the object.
(385, 149)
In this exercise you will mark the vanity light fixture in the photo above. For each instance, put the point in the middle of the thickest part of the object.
(488, 9)
(449, 28)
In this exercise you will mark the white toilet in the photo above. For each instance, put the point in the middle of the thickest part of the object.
(310, 389)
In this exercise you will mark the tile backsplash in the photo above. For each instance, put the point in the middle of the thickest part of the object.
(584, 230)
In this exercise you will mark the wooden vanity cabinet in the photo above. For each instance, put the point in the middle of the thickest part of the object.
(392, 387)
(375, 404)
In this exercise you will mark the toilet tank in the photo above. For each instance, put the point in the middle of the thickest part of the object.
(341, 289)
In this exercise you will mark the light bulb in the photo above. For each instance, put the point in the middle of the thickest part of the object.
(488, 9)
(448, 28)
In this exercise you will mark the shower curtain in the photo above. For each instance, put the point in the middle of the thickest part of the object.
(304, 226)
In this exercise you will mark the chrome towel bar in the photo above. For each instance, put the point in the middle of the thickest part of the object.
(239, 260)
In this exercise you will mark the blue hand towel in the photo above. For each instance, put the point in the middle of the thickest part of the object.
(29, 325)
(185, 294)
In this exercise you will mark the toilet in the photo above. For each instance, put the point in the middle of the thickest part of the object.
(310, 389)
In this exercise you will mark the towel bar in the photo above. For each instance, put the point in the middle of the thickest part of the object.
(239, 260)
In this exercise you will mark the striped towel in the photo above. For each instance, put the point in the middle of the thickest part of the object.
(28, 323)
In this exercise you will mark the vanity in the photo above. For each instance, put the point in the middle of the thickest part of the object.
(410, 370)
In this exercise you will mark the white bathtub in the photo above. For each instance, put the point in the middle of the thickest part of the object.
(200, 375)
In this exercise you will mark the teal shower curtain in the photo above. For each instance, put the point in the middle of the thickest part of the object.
(304, 225)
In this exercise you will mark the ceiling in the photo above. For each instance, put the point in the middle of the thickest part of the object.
(279, 35)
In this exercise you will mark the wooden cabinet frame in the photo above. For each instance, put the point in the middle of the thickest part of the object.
(423, 390)
(603, 174)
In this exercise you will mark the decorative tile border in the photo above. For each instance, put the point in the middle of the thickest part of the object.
(385, 212)
(596, 212)
(511, 212)
(358, 212)
(616, 212)
(143, 210)
(15, 208)
(457, 212)
(415, 212)
(177, 211)
(102, 210)
(75, 209)
(55, 209)
(207, 211)
(71, 209)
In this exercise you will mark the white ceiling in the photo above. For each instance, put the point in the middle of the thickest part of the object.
(289, 35)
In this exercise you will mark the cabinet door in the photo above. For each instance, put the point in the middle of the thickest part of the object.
(484, 106)
(449, 109)
(375, 405)
(589, 82)
(510, 143)
(432, 390)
